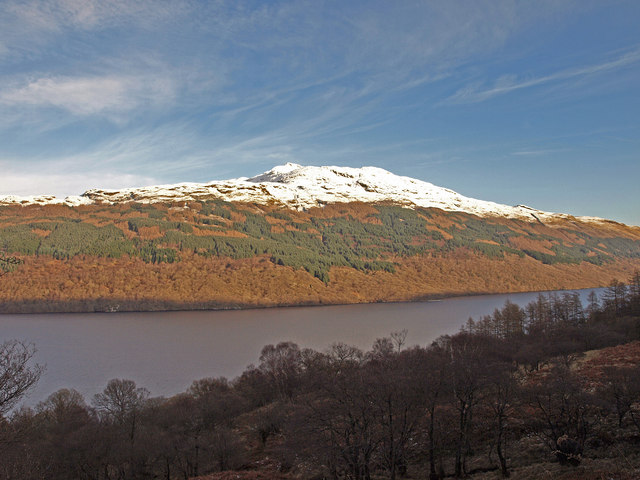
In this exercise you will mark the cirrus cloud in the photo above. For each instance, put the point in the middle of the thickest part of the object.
(90, 95)
(510, 83)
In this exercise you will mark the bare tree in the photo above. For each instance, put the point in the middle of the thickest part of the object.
(634, 293)
(559, 406)
(396, 402)
(121, 402)
(468, 378)
(282, 366)
(500, 396)
(337, 422)
(17, 372)
(614, 298)
(399, 338)
(120, 398)
(621, 389)
(435, 382)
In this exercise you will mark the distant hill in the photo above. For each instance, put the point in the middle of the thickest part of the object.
(292, 236)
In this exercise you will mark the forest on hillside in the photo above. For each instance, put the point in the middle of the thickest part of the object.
(215, 254)
(547, 390)
(360, 236)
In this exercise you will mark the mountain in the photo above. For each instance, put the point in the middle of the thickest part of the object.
(293, 235)
(301, 187)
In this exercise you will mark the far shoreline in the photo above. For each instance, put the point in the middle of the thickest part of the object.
(183, 308)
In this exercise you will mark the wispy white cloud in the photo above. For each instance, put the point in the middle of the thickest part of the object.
(378, 50)
(34, 29)
(90, 95)
(538, 152)
(32, 182)
(52, 15)
(475, 93)
(136, 157)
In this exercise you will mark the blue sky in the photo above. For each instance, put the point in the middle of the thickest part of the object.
(511, 101)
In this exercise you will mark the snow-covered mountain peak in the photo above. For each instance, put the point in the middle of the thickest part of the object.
(301, 187)
(334, 177)
(277, 173)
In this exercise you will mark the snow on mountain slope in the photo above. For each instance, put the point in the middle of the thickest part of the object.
(301, 187)
(71, 201)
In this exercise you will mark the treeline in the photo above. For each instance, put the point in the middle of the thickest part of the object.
(363, 237)
(561, 320)
(507, 393)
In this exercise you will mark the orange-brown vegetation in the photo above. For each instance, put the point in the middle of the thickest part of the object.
(357, 210)
(41, 233)
(532, 244)
(149, 233)
(433, 228)
(92, 283)
(228, 233)
(592, 366)
(441, 218)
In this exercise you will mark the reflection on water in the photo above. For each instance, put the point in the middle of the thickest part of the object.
(166, 351)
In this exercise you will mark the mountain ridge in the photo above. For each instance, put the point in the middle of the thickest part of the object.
(302, 187)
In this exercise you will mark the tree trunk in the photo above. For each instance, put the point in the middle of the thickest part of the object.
(432, 450)
(503, 461)
(392, 450)
(461, 440)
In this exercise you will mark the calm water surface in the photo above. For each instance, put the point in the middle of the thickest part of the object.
(166, 351)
